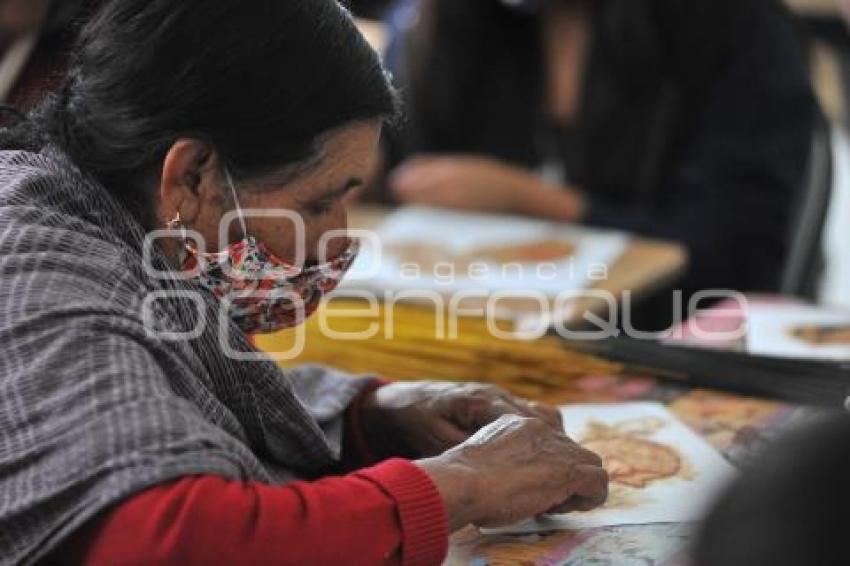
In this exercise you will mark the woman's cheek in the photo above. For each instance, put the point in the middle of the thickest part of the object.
(327, 235)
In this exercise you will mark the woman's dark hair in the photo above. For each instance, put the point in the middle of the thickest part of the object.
(260, 80)
(64, 14)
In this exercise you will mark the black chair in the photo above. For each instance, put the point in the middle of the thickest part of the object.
(805, 262)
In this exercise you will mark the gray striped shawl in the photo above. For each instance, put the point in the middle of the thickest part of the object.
(92, 407)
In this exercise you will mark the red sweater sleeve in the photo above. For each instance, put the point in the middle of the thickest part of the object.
(389, 514)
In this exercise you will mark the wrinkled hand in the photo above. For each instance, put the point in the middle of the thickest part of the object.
(423, 419)
(513, 469)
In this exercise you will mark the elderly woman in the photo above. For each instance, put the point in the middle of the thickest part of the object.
(139, 425)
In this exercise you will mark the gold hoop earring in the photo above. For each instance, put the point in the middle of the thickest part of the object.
(174, 223)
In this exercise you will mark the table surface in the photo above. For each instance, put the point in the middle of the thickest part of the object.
(646, 266)
(737, 427)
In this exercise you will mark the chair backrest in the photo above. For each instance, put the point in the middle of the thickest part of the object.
(834, 287)
(805, 261)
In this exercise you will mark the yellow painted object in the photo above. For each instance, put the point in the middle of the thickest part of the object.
(407, 342)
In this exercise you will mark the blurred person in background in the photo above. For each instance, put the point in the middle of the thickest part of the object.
(789, 508)
(35, 39)
(688, 121)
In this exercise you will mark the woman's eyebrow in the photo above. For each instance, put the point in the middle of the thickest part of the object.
(352, 183)
(331, 194)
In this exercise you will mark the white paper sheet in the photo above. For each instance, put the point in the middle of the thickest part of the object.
(661, 471)
(780, 331)
(458, 233)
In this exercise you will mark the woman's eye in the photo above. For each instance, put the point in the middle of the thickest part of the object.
(320, 207)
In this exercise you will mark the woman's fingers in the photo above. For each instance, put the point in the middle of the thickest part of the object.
(590, 490)
(549, 415)
(444, 436)
(498, 402)
(493, 409)
(521, 467)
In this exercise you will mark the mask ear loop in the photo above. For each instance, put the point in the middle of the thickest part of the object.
(230, 183)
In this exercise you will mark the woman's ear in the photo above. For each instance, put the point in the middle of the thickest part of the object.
(189, 171)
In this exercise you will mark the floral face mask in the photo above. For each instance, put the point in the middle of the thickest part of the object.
(265, 293)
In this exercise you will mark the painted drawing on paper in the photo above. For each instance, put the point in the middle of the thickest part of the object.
(795, 331)
(629, 456)
(822, 335)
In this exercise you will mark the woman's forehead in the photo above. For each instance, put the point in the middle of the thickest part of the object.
(347, 157)
(347, 153)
